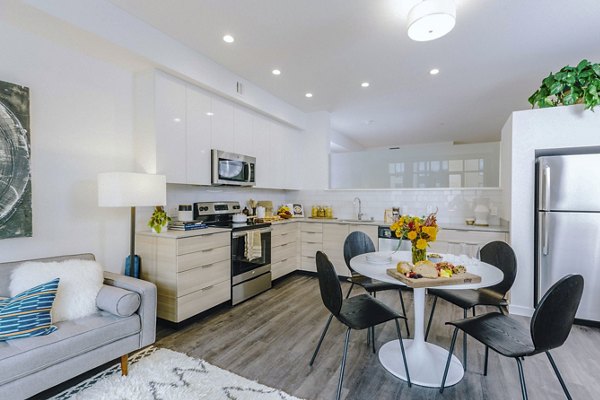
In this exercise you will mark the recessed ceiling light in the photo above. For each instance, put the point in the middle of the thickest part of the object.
(365, 84)
(434, 71)
(228, 39)
(176, 119)
(309, 95)
(210, 114)
(276, 72)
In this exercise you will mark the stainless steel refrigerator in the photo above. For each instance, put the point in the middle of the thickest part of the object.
(568, 226)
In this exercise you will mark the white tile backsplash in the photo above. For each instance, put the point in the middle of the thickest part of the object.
(454, 205)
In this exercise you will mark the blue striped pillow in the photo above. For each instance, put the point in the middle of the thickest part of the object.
(28, 313)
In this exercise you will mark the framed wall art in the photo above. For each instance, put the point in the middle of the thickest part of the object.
(15, 157)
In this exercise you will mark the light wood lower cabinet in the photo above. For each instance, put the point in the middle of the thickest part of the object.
(284, 249)
(192, 274)
(311, 241)
(455, 241)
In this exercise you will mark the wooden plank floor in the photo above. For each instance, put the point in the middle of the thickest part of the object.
(271, 337)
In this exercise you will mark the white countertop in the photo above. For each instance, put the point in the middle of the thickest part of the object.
(182, 234)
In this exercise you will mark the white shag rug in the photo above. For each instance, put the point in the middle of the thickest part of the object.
(161, 374)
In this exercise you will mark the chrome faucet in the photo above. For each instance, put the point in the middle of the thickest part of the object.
(360, 214)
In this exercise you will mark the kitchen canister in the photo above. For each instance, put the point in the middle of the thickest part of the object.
(185, 212)
(260, 212)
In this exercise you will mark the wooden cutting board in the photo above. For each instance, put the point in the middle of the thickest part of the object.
(457, 279)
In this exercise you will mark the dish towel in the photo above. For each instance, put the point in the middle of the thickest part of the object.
(253, 248)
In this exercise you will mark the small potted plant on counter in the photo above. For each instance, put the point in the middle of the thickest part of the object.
(159, 219)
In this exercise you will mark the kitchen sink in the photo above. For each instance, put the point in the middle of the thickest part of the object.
(356, 220)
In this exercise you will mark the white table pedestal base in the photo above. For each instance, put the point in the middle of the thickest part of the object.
(426, 363)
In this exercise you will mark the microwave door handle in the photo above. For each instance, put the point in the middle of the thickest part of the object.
(250, 172)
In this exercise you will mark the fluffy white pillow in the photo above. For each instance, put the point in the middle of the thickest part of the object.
(80, 282)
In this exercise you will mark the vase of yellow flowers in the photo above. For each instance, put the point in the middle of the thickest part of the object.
(420, 231)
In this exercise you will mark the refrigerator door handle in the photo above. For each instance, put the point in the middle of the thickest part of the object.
(545, 234)
(546, 188)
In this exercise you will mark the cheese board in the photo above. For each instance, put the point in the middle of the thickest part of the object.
(456, 279)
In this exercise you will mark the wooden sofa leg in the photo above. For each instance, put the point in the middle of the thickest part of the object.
(124, 364)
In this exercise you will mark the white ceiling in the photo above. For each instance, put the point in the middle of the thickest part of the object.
(491, 62)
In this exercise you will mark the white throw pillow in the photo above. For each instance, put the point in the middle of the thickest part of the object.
(80, 282)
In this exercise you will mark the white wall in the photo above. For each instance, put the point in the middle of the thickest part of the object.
(315, 152)
(524, 133)
(81, 111)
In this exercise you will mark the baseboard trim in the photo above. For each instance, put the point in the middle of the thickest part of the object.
(520, 310)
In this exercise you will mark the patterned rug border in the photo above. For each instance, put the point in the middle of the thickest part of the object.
(137, 356)
(231, 390)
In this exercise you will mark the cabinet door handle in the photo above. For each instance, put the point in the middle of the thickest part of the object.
(208, 288)
(207, 250)
(208, 265)
(285, 244)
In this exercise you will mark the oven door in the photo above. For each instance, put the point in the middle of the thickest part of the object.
(250, 250)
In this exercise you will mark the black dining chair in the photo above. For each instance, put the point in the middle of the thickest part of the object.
(358, 243)
(358, 312)
(549, 328)
(498, 254)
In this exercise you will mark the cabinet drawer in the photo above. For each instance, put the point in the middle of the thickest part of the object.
(456, 236)
(202, 242)
(202, 277)
(204, 257)
(309, 249)
(284, 228)
(312, 237)
(311, 227)
(283, 267)
(284, 238)
(308, 263)
(285, 251)
(201, 300)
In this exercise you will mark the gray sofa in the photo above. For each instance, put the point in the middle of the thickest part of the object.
(31, 365)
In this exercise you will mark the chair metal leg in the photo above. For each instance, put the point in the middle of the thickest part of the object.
(465, 344)
(501, 310)
(485, 362)
(560, 379)
(403, 354)
(368, 337)
(452, 343)
(373, 338)
(374, 295)
(522, 379)
(350, 290)
(339, 389)
(312, 360)
(404, 313)
(431, 317)
(473, 310)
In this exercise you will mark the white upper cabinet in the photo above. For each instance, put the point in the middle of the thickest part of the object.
(222, 133)
(170, 103)
(177, 124)
(260, 140)
(198, 122)
(243, 138)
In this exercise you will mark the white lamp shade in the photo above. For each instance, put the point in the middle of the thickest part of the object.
(130, 189)
(431, 19)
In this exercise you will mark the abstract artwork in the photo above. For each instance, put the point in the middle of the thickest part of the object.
(15, 180)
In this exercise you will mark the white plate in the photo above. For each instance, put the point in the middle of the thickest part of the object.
(378, 259)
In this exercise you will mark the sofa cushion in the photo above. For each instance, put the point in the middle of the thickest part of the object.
(118, 301)
(80, 282)
(28, 313)
(22, 357)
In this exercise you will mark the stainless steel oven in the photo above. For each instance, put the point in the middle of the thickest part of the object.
(232, 169)
(250, 262)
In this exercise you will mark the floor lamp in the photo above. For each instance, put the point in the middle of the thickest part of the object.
(130, 189)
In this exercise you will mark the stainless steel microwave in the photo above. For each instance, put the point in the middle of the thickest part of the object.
(232, 169)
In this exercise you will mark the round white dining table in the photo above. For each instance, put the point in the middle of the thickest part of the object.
(426, 361)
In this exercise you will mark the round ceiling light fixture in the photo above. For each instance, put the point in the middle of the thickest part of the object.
(431, 19)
